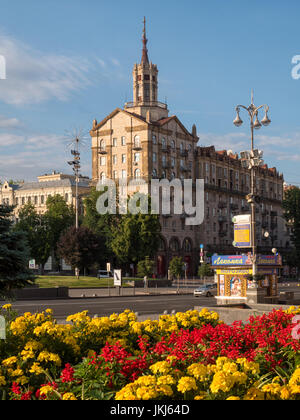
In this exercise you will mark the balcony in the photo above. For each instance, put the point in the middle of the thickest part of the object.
(184, 153)
(102, 151)
(161, 105)
(137, 148)
(222, 205)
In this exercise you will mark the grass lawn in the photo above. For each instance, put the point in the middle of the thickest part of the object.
(71, 281)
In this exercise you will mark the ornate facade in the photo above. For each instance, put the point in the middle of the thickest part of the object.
(142, 141)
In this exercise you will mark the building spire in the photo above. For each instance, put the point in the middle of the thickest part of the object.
(145, 59)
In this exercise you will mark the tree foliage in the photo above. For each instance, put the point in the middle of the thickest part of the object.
(176, 267)
(14, 255)
(37, 229)
(80, 248)
(291, 205)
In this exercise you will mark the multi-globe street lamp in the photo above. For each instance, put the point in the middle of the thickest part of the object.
(251, 160)
(75, 163)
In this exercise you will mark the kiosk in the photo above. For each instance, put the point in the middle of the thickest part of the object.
(234, 283)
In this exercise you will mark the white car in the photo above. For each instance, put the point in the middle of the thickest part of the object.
(207, 290)
(103, 274)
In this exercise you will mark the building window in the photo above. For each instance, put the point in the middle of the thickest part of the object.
(102, 161)
(115, 159)
(42, 199)
(163, 143)
(123, 158)
(115, 142)
(136, 157)
(124, 174)
(154, 173)
(102, 144)
(154, 158)
(137, 174)
(137, 142)
(102, 177)
(174, 244)
(123, 141)
(154, 139)
(66, 198)
(172, 144)
(115, 174)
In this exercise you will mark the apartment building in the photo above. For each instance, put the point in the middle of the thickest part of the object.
(143, 142)
(37, 192)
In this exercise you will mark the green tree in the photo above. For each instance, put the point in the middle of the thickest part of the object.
(14, 256)
(205, 271)
(101, 225)
(60, 217)
(37, 230)
(291, 206)
(176, 267)
(145, 267)
(135, 237)
(80, 248)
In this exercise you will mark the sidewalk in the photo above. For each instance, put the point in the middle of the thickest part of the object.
(127, 291)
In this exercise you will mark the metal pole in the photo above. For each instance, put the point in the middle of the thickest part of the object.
(253, 207)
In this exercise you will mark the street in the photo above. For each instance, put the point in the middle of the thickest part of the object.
(144, 305)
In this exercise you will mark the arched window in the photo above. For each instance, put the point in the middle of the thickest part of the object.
(137, 173)
(154, 139)
(102, 177)
(163, 174)
(172, 144)
(163, 143)
(181, 147)
(174, 245)
(154, 173)
(173, 176)
(102, 144)
(187, 245)
(162, 244)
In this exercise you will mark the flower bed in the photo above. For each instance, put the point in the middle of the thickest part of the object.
(186, 356)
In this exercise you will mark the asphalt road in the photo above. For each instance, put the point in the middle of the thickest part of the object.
(144, 305)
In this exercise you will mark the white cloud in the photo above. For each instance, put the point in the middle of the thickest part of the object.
(34, 76)
(9, 123)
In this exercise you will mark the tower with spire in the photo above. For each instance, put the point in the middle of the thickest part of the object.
(145, 87)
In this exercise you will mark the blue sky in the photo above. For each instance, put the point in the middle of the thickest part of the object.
(70, 61)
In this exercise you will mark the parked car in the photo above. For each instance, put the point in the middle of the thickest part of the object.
(207, 290)
(103, 274)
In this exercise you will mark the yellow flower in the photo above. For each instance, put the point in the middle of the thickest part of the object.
(2, 381)
(222, 382)
(36, 369)
(201, 396)
(186, 384)
(17, 372)
(199, 371)
(10, 361)
(161, 367)
(233, 398)
(7, 307)
(285, 393)
(45, 390)
(68, 396)
(166, 380)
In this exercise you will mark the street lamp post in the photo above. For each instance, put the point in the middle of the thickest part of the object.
(253, 159)
(76, 168)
